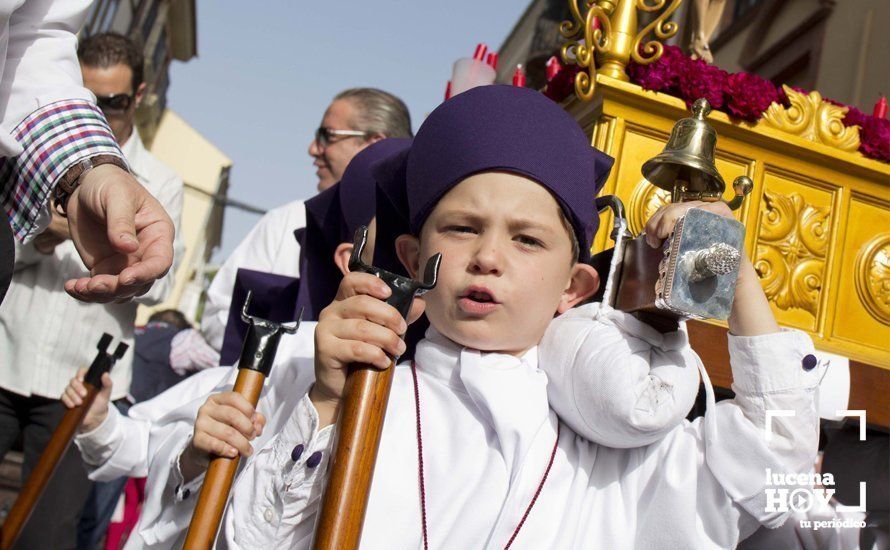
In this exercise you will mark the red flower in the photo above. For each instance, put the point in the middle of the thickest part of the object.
(562, 85)
(874, 136)
(661, 75)
(749, 96)
(698, 79)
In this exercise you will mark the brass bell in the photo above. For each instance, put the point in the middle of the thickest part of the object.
(686, 165)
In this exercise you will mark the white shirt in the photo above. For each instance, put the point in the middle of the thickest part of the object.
(270, 247)
(488, 435)
(46, 335)
(38, 60)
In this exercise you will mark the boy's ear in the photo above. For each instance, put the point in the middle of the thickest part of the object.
(408, 250)
(584, 283)
(341, 257)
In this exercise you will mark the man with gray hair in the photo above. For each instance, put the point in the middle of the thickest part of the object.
(356, 118)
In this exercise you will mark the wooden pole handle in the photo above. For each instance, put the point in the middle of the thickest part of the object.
(342, 513)
(41, 474)
(220, 475)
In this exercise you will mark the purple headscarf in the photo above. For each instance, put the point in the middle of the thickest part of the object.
(502, 128)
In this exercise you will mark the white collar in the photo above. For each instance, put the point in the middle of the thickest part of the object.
(509, 392)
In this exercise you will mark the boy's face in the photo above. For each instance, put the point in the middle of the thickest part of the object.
(507, 264)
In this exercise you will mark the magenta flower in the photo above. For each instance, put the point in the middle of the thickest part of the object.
(749, 96)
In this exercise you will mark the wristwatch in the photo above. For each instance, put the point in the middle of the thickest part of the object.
(70, 180)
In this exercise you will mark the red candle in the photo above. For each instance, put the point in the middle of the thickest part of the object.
(880, 108)
(481, 50)
(519, 76)
(493, 60)
(553, 67)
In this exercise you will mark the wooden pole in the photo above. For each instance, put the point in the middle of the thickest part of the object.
(345, 500)
(58, 444)
(254, 366)
(362, 412)
(220, 475)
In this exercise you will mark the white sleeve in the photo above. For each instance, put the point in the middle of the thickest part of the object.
(170, 197)
(615, 380)
(118, 447)
(41, 64)
(707, 479)
(772, 424)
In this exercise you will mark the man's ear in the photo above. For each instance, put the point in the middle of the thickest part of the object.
(584, 283)
(408, 250)
(341, 257)
(140, 91)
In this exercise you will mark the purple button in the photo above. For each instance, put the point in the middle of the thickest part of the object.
(314, 459)
(809, 362)
(297, 452)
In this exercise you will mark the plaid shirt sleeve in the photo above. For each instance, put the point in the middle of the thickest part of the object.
(53, 138)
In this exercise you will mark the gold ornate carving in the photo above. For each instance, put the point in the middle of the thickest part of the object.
(813, 119)
(791, 249)
(644, 201)
(873, 277)
(616, 40)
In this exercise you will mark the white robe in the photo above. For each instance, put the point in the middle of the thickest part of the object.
(488, 434)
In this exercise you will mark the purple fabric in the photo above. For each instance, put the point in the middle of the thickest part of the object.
(332, 218)
(511, 129)
(274, 297)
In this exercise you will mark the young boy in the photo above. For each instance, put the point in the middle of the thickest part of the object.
(500, 180)
(114, 445)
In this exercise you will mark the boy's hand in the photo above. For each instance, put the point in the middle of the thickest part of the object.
(75, 393)
(225, 426)
(357, 327)
(665, 218)
(751, 314)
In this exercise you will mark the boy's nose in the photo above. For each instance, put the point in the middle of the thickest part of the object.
(486, 260)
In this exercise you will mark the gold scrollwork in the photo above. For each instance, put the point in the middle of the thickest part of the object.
(644, 201)
(813, 119)
(663, 29)
(791, 250)
(609, 48)
(582, 41)
(873, 277)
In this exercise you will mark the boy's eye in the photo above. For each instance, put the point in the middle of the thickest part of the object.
(529, 241)
(459, 229)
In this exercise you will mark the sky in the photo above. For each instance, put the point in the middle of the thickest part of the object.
(266, 71)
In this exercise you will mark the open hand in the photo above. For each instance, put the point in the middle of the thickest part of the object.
(122, 233)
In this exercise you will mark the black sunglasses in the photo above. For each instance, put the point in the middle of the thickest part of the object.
(116, 103)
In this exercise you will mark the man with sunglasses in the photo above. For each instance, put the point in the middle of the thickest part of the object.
(45, 336)
(356, 118)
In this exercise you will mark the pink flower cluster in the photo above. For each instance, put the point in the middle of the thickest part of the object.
(744, 96)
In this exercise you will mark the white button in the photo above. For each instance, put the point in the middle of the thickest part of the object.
(268, 514)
